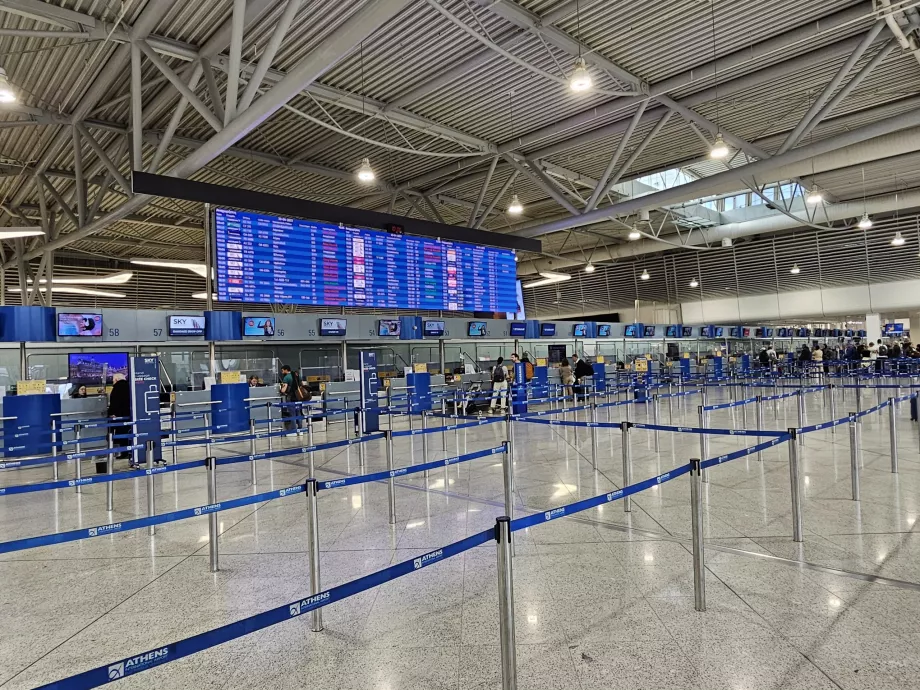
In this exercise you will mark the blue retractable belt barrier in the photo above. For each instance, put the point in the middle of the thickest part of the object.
(822, 425)
(138, 523)
(310, 449)
(703, 430)
(593, 502)
(99, 478)
(744, 452)
(404, 471)
(15, 464)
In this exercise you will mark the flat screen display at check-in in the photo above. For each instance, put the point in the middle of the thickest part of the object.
(433, 329)
(185, 325)
(603, 331)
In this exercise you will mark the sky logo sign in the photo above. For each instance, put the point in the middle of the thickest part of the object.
(138, 663)
(428, 558)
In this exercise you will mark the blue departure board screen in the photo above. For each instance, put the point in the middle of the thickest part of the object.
(270, 259)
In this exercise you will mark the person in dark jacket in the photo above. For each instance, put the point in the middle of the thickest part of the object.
(120, 408)
(582, 370)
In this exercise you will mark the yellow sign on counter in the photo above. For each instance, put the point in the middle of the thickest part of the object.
(599, 359)
(420, 367)
(231, 377)
(30, 387)
(541, 361)
(641, 365)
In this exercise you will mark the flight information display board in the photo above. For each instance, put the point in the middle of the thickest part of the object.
(271, 259)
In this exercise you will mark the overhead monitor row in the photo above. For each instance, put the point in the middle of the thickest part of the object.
(82, 325)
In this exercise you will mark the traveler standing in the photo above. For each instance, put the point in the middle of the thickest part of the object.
(499, 385)
(119, 409)
(583, 370)
(291, 392)
(566, 376)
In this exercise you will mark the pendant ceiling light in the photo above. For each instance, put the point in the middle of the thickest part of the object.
(7, 95)
(580, 81)
(589, 268)
(515, 208)
(645, 275)
(634, 234)
(795, 270)
(365, 172)
(898, 240)
(694, 283)
(865, 222)
(815, 196)
(719, 149)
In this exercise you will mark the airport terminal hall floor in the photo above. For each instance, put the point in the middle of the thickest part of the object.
(603, 599)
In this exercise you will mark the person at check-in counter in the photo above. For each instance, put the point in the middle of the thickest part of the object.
(119, 408)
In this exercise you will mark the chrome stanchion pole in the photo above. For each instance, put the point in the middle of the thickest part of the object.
(509, 436)
(151, 508)
(775, 399)
(78, 463)
(760, 423)
(391, 485)
(704, 441)
(655, 408)
(389, 408)
(854, 456)
(893, 434)
(444, 424)
(271, 427)
(252, 452)
(109, 468)
(313, 545)
(506, 604)
(795, 481)
(508, 479)
(594, 435)
(310, 441)
(173, 436)
(627, 463)
(361, 450)
(425, 441)
(696, 521)
(800, 414)
(54, 449)
(833, 406)
(212, 516)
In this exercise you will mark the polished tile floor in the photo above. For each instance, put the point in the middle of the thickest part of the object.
(604, 599)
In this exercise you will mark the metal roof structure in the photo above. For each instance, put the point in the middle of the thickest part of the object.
(459, 104)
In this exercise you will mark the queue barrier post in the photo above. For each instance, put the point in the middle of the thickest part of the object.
(252, 452)
(271, 427)
(54, 449)
(506, 603)
(893, 434)
(854, 456)
(78, 464)
(444, 424)
(743, 407)
(425, 441)
(627, 463)
(833, 406)
(109, 466)
(760, 424)
(878, 395)
(696, 522)
(800, 408)
(391, 485)
(313, 548)
(207, 428)
(594, 435)
(655, 433)
(795, 481)
(214, 565)
(704, 440)
(509, 437)
(174, 436)
(310, 442)
(359, 435)
(151, 508)
(508, 479)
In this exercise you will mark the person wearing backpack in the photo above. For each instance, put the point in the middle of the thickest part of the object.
(528, 368)
(291, 392)
(499, 385)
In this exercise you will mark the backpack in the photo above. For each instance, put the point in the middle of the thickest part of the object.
(528, 370)
(498, 374)
(882, 351)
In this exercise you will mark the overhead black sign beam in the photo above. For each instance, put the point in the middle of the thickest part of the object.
(234, 197)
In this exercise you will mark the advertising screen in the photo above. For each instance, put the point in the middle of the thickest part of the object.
(632, 331)
(476, 329)
(81, 325)
(518, 330)
(259, 325)
(433, 329)
(603, 331)
(671, 332)
(333, 327)
(86, 368)
(687, 331)
(547, 329)
(271, 259)
(388, 327)
(735, 332)
(767, 332)
(185, 325)
(581, 330)
(719, 331)
(649, 331)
